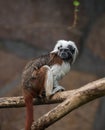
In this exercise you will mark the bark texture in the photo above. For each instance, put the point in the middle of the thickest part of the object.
(70, 101)
(79, 97)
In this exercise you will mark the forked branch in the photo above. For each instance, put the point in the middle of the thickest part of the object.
(79, 97)
(70, 101)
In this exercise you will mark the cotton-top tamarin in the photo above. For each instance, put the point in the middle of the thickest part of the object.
(41, 75)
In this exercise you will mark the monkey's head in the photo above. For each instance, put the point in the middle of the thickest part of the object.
(66, 50)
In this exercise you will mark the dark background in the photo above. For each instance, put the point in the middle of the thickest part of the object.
(29, 28)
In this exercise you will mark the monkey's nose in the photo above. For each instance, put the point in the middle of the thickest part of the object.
(64, 55)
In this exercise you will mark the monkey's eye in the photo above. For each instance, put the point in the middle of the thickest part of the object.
(72, 49)
(59, 47)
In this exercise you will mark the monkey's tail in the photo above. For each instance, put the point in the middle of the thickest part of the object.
(29, 111)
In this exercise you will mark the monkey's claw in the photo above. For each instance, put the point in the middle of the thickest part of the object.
(58, 89)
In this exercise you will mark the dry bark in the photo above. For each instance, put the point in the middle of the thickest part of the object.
(15, 102)
(79, 97)
(70, 101)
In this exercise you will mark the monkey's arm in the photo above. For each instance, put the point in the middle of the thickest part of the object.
(51, 84)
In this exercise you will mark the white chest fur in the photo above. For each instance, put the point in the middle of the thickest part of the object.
(60, 70)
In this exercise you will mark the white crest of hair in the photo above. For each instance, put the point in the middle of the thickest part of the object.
(64, 44)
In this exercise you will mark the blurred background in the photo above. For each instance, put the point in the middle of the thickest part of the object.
(29, 28)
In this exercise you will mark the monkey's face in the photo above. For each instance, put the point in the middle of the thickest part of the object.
(67, 50)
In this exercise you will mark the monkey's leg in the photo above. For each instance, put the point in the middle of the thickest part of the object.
(48, 81)
(57, 87)
(51, 86)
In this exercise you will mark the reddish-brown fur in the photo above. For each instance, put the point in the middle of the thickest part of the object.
(33, 80)
(29, 111)
(38, 87)
(55, 59)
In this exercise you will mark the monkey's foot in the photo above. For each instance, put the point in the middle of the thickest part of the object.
(42, 95)
(58, 89)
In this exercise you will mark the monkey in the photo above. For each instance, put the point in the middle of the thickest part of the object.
(41, 75)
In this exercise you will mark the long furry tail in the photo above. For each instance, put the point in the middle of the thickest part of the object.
(29, 111)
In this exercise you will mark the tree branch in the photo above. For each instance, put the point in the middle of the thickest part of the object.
(79, 97)
(71, 100)
(15, 102)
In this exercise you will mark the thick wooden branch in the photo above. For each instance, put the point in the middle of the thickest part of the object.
(15, 102)
(79, 97)
(71, 100)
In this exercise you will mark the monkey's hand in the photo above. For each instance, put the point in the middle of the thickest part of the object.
(58, 89)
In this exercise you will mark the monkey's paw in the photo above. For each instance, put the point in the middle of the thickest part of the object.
(58, 89)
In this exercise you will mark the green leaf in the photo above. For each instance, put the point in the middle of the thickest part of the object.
(76, 3)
